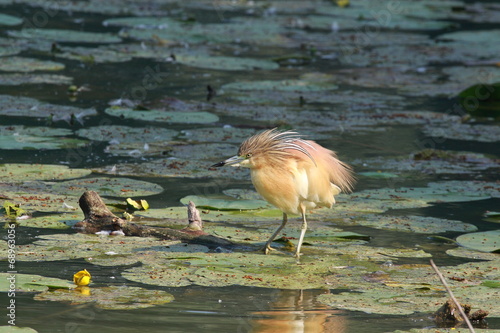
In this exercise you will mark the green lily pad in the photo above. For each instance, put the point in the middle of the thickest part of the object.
(39, 201)
(110, 298)
(93, 55)
(474, 37)
(225, 63)
(36, 138)
(203, 151)
(463, 252)
(26, 172)
(264, 32)
(10, 20)
(224, 204)
(488, 106)
(120, 134)
(378, 174)
(409, 289)
(175, 167)
(16, 329)
(61, 35)
(20, 106)
(19, 79)
(491, 284)
(164, 116)
(429, 161)
(88, 247)
(467, 132)
(60, 221)
(419, 224)
(216, 134)
(486, 241)
(32, 282)
(20, 64)
(447, 330)
(283, 85)
(119, 187)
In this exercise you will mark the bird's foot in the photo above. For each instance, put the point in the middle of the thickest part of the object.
(267, 249)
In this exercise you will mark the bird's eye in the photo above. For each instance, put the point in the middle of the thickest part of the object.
(248, 155)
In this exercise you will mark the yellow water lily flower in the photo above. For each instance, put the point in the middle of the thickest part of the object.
(82, 278)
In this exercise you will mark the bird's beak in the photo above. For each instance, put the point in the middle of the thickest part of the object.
(234, 161)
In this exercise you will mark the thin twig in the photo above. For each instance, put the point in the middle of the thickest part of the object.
(462, 313)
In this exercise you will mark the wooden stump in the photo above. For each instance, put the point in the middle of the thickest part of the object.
(99, 218)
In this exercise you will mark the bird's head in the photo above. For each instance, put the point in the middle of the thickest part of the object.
(266, 147)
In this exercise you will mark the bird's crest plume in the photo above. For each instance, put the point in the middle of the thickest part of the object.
(274, 141)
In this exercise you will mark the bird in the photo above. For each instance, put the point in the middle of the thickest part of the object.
(292, 174)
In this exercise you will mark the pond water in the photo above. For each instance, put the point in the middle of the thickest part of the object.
(117, 90)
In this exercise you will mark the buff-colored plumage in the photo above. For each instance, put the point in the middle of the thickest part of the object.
(292, 174)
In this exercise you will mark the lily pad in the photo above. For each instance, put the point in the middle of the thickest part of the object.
(164, 116)
(486, 241)
(16, 329)
(88, 247)
(419, 224)
(26, 172)
(463, 252)
(175, 167)
(284, 85)
(61, 35)
(468, 132)
(60, 221)
(225, 63)
(119, 187)
(20, 64)
(474, 37)
(110, 298)
(37, 138)
(93, 55)
(216, 134)
(32, 282)
(20, 106)
(19, 79)
(10, 20)
(224, 204)
(39, 201)
(119, 134)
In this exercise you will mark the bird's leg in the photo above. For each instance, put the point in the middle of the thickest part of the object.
(302, 233)
(267, 247)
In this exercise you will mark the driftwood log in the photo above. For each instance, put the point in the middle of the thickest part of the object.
(99, 218)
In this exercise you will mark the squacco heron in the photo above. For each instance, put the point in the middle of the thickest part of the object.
(292, 174)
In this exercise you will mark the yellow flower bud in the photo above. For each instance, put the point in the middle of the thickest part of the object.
(82, 278)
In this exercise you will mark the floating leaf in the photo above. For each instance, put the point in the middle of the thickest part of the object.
(486, 241)
(19, 79)
(481, 100)
(111, 298)
(164, 116)
(19, 106)
(224, 204)
(52, 221)
(491, 284)
(31, 282)
(37, 138)
(26, 172)
(61, 35)
(10, 20)
(20, 64)
(120, 187)
(225, 63)
(119, 134)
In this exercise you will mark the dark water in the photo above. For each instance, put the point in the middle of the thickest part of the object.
(228, 309)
